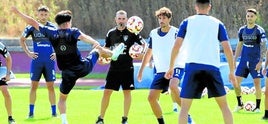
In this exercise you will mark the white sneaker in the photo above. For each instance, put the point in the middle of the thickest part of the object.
(238, 108)
(117, 51)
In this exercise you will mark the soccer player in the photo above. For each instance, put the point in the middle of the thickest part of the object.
(42, 60)
(265, 117)
(64, 41)
(251, 47)
(160, 41)
(3, 83)
(121, 71)
(201, 34)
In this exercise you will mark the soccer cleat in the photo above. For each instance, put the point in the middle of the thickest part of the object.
(256, 110)
(117, 51)
(99, 121)
(30, 116)
(175, 109)
(238, 108)
(11, 121)
(54, 115)
(264, 118)
(124, 120)
(190, 120)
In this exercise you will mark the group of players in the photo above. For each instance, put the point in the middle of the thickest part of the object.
(196, 35)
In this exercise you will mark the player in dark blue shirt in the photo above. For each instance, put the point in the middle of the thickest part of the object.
(251, 48)
(70, 62)
(42, 60)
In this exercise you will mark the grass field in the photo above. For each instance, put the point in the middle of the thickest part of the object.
(83, 107)
(90, 76)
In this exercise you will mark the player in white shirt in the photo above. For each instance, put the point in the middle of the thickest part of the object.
(200, 35)
(160, 43)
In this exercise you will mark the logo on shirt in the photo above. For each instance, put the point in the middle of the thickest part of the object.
(125, 37)
(63, 48)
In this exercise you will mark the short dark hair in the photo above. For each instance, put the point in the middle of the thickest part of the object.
(252, 10)
(203, 1)
(43, 8)
(63, 16)
(164, 11)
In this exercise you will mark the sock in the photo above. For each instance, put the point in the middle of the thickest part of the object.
(31, 107)
(99, 119)
(266, 113)
(258, 102)
(53, 109)
(10, 118)
(64, 119)
(124, 119)
(160, 120)
(239, 100)
(175, 105)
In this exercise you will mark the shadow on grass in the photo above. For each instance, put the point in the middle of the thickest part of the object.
(45, 119)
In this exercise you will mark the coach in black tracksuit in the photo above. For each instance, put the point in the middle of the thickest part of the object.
(121, 71)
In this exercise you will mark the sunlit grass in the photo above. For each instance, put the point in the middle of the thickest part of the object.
(83, 107)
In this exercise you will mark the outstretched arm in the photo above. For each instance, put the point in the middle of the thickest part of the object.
(89, 40)
(29, 20)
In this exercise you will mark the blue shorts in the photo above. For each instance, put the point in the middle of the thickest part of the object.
(199, 76)
(71, 74)
(47, 68)
(245, 67)
(161, 83)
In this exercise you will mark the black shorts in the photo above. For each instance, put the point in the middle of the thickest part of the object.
(71, 74)
(115, 79)
(160, 82)
(3, 83)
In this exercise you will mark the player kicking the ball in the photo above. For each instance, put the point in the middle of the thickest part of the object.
(70, 62)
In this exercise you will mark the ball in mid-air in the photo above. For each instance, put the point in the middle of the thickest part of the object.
(135, 24)
(136, 50)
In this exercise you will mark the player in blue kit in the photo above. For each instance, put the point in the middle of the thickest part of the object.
(42, 60)
(201, 35)
(69, 60)
(265, 70)
(4, 85)
(251, 47)
(160, 43)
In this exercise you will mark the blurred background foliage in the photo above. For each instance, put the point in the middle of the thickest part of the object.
(96, 17)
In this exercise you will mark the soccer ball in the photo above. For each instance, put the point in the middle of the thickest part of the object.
(245, 90)
(135, 51)
(135, 24)
(249, 106)
(104, 61)
(252, 90)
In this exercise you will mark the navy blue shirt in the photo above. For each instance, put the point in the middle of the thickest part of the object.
(64, 42)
